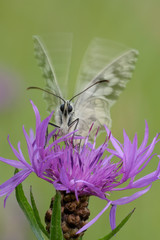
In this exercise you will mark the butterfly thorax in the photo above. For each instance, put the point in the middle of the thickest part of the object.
(65, 116)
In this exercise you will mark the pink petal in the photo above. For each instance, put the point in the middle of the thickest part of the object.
(131, 198)
(94, 219)
(112, 217)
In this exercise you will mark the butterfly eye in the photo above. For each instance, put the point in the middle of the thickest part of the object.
(70, 108)
(62, 108)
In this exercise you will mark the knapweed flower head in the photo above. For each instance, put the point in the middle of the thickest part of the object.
(84, 170)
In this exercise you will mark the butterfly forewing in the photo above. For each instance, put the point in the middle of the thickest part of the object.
(102, 96)
(48, 74)
(99, 54)
(60, 53)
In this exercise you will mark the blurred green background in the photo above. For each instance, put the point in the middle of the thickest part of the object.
(133, 23)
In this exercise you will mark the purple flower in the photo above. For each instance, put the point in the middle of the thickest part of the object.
(85, 169)
(132, 160)
(38, 155)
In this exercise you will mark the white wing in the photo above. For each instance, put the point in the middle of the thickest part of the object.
(59, 46)
(99, 54)
(94, 104)
(48, 73)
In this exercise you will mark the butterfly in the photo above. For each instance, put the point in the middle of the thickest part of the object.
(101, 80)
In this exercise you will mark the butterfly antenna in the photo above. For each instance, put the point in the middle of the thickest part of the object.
(46, 92)
(100, 81)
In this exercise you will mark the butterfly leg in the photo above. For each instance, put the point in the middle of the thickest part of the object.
(54, 125)
(76, 121)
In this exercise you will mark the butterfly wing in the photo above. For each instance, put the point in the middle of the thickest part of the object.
(100, 53)
(49, 75)
(94, 104)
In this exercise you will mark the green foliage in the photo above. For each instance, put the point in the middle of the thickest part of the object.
(28, 211)
(36, 214)
(33, 217)
(111, 234)
(55, 230)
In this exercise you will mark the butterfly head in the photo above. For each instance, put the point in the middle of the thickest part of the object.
(66, 108)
